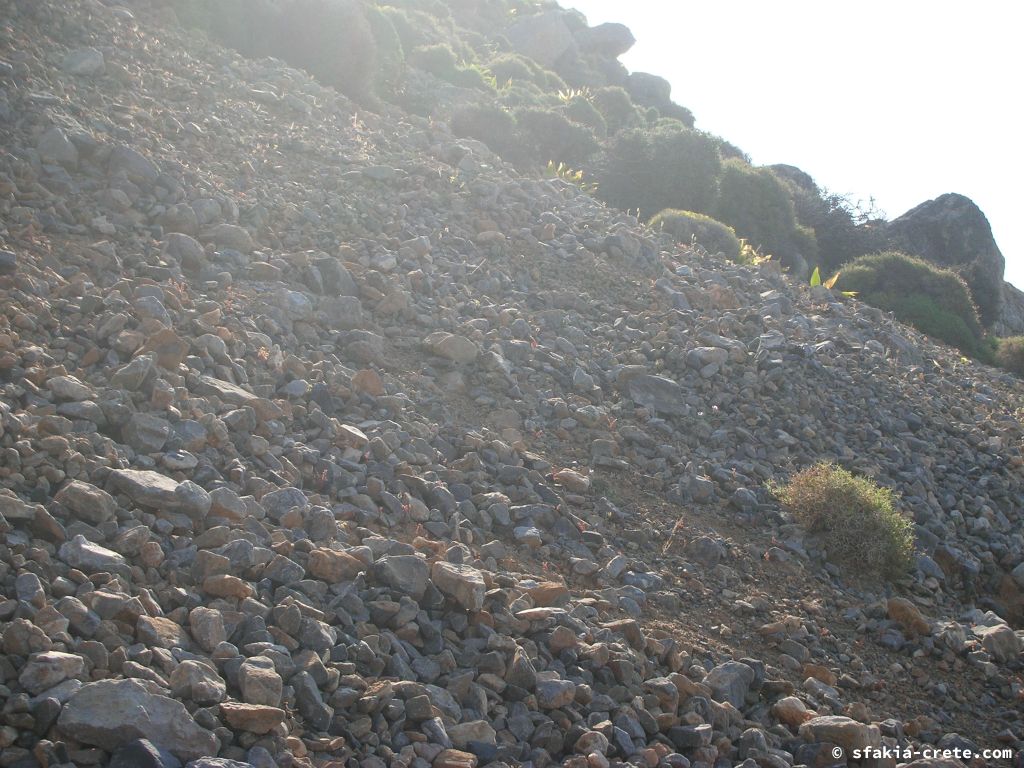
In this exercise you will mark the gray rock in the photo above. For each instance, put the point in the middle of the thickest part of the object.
(87, 62)
(730, 682)
(259, 682)
(543, 37)
(45, 670)
(87, 502)
(89, 557)
(146, 433)
(460, 582)
(110, 713)
(197, 681)
(658, 394)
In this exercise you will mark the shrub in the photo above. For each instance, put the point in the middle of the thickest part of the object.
(390, 54)
(856, 518)
(490, 124)
(688, 226)
(936, 301)
(655, 170)
(616, 107)
(756, 204)
(554, 137)
(844, 230)
(439, 60)
(507, 67)
(1009, 354)
(581, 111)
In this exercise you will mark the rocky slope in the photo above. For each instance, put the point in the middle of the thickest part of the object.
(330, 440)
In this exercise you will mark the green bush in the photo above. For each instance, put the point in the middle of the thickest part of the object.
(856, 519)
(390, 54)
(616, 107)
(508, 67)
(756, 204)
(655, 170)
(490, 124)
(936, 301)
(843, 229)
(554, 137)
(688, 226)
(1009, 354)
(580, 110)
(438, 59)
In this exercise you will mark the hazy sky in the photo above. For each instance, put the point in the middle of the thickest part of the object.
(900, 100)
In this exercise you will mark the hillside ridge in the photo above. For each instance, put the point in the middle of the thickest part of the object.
(331, 438)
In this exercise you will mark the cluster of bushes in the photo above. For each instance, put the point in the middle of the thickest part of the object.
(856, 519)
(643, 158)
(936, 301)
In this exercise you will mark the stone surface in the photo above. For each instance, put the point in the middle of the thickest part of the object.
(110, 713)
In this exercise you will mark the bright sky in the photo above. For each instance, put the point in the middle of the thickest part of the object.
(900, 100)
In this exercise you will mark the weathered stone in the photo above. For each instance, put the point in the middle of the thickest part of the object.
(406, 573)
(87, 502)
(83, 554)
(110, 713)
(847, 733)
(259, 682)
(456, 348)
(460, 582)
(251, 717)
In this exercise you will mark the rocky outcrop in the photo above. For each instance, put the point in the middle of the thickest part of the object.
(544, 37)
(952, 231)
(1011, 312)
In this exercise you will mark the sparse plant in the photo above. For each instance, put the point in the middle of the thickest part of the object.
(565, 173)
(1009, 354)
(856, 519)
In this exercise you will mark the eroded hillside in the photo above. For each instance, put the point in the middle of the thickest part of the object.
(329, 439)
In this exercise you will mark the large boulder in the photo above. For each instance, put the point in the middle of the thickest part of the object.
(610, 40)
(951, 231)
(1011, 312)
(110, 713)
(544, 37)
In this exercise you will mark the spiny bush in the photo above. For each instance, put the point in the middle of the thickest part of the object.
(756, 204)
(655, 170)
(689, 226)
(936, 301)
(1009, 354)
(856, 519)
